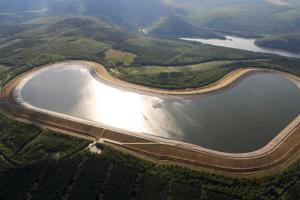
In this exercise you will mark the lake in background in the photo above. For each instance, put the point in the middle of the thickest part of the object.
(243, 44)
(241, 118)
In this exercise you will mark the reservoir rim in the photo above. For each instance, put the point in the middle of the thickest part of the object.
(94, 70)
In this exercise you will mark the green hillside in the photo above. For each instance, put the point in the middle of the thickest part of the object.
(53, 39)
(289, 42)
(58, 38)
(175, 26)
(249, 18)
(201, 17)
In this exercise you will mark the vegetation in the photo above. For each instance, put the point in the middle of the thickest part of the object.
(170, 52)
(42, 146)
(15, 136)
(115, 57)
(177, 27)
(152, 187)
(55, 180)
(176, 63)
(16, 182)
(244, 17)
(120, 183)
(176, 77)
(184, 192)
(197, 75)
(95, 169)
(289, 42)
(93, 39)
(229, 16)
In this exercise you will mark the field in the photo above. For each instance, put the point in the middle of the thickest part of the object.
(115, 57)
(176, 77)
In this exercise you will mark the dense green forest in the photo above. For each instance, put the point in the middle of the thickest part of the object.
(288, 42)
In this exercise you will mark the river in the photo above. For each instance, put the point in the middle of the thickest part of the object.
(243, 44)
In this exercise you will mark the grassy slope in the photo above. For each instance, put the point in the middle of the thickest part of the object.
(115, 57)
(289, 42)
(62, 38)
(197, 75)
(176, 77)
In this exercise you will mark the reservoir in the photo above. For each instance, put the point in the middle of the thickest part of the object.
(243, 44)
(242, 117)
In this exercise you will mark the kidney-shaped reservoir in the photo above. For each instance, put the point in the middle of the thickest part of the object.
(238, 119)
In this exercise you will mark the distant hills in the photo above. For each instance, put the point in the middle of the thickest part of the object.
(288, 42)
(176, 26)
(169, 18)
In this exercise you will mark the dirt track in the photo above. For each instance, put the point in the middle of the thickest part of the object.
(277, 153)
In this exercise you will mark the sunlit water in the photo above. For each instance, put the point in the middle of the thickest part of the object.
(241, 118)
(244, 44)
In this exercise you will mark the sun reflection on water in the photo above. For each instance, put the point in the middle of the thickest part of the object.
(124, 109)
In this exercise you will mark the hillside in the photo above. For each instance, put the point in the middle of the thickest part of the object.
(245, 17)
(289, 42)
(57, 38)
(53, 39)
(201, 17)
(175, 26)
(127, 14)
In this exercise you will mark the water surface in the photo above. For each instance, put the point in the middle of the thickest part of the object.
(241, 118)
(243, 44)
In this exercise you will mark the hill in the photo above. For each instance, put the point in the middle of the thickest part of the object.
(288, 42)
(177, 27)
(245, 17)
(53, 39)
(202, 17)
(56, 38)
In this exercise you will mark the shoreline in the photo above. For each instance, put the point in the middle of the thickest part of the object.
(226, 81)
(283, 146)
